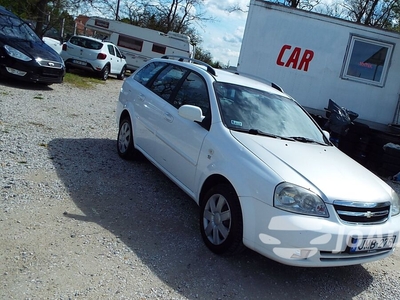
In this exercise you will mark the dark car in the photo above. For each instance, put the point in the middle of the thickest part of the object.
(23, 55)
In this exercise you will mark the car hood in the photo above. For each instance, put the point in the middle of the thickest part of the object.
(324, 169)
(35, 49)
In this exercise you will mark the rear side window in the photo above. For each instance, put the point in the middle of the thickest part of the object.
(167, 80)
(147, 72)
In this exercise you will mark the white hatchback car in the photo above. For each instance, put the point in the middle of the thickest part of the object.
(86, 53)
(262, 171)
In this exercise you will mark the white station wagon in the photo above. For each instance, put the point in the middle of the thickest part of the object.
(263, 173)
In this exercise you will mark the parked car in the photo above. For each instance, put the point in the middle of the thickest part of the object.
(55, 44)
(23, 55)
(262, 171)
(86, 53)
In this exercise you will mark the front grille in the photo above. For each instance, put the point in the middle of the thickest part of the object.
(50, 64)
(362, 212)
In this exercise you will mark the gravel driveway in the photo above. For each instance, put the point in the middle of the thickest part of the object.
(77, 222)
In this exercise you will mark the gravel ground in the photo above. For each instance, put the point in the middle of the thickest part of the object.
(77, 222)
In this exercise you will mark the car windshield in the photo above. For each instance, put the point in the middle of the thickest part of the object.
(16, 29)
(259, 112)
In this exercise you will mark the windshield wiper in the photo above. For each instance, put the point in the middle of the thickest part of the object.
(263, 133)
(306, 140)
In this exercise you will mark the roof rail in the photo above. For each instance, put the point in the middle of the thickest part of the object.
(196, 61)
(274, 85)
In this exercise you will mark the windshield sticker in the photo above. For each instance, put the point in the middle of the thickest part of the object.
(236, 123)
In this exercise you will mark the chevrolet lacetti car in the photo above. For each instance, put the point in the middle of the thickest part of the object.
(23, 55)
(90, 54)
(263, 173)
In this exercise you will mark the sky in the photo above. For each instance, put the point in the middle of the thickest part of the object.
(223, 37)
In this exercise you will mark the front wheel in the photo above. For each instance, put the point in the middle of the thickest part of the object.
(125, 146)
(121, 75)
(221, 222)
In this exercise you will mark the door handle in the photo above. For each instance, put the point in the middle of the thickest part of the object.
(168, 117)
(141, 97)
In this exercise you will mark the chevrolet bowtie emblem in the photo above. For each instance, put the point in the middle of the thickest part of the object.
(368, 214)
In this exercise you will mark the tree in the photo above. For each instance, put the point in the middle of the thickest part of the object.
(377, 13)
(301, 4)
(43, 15)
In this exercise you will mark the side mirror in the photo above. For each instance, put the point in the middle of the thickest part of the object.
(191, 112)
(327, 134)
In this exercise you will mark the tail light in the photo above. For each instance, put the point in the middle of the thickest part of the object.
(101, 56)
(64, 47)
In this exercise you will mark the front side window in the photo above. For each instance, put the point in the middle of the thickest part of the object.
(118, 53)
(167, 80)
(252, 110)
(367, 61)
(193, 92)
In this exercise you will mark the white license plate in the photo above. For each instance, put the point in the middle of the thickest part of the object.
(372, 244)
(78, 62)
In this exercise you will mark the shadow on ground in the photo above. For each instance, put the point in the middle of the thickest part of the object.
(24, 85)
(157, 221)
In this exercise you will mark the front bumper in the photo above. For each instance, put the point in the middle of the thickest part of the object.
(32, 72)
(307, 241)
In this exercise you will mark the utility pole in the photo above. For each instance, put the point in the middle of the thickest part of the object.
(116, 13)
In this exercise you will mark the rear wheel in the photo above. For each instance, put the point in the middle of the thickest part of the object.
(105, 72)
(125, 145)
(221, 222)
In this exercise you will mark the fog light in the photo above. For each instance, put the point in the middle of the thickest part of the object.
(295, 253)
(301, 253)
(15, 71)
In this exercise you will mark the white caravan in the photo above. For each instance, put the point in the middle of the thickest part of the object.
(315, 58)
(139, 44)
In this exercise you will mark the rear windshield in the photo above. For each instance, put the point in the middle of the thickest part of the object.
(86, 43)
(15, 28)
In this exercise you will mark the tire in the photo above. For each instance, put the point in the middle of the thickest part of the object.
(121, 75)
(125, 145)
(105, 72)
(221, 222)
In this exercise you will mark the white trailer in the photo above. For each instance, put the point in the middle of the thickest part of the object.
(315, 58)
(139, 44)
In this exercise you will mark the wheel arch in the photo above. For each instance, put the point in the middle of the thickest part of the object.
(211, 181)
(124, 114)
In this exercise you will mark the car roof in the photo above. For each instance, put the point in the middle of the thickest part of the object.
(223, 75)
(89, 38)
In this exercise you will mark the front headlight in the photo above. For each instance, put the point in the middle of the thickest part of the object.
(395, 204)
(16, 54)
(299, 200)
